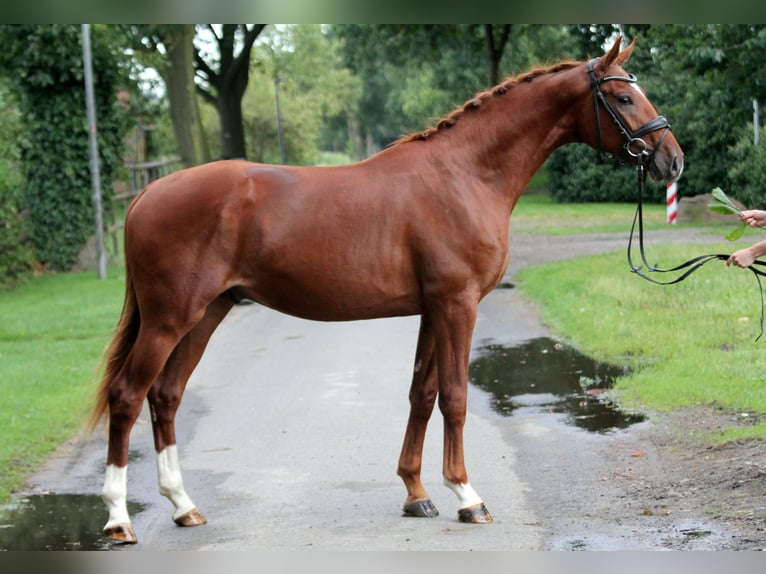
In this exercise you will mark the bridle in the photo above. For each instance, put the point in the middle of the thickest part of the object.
(636, 147)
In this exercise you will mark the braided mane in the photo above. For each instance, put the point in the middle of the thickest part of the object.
(480, 99)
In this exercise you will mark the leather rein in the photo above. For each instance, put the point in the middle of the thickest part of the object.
(637, 148)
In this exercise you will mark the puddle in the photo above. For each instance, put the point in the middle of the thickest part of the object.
(56, 522)
(544, 375)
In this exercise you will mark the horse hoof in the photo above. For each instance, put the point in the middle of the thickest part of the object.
(192, 518)
(122, 533)
(421, 509)
(477, 514)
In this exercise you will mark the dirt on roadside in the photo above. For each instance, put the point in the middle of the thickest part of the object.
(726, 482)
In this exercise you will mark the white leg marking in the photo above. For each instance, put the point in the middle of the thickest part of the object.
(465, 494)
(171, 483)
(115, 494)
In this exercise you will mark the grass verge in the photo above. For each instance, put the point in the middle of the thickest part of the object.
(52, 335)
(687, 344)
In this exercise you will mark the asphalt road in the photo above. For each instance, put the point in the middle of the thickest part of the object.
(289, 436)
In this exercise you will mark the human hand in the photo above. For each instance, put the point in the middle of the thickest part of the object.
(753, 217)
(742, 258)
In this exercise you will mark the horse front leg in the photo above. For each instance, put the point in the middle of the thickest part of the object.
(164, 399)
(422, 398)
(454, 326)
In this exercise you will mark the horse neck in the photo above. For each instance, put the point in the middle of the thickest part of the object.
(506, 140)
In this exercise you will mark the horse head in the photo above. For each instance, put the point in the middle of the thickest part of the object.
(623, 122)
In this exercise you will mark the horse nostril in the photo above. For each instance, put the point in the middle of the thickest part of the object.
(676, 166)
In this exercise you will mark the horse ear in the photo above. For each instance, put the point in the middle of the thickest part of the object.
(614, 56)
(625, 54)
(609, 58)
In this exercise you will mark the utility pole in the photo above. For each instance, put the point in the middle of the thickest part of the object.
(280, 135)
(95, 175)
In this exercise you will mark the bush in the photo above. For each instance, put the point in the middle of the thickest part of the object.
(747, 175)
(45, 62)
(579, 174)
(15, 254)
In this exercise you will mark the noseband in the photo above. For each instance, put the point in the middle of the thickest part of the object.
(634, 145)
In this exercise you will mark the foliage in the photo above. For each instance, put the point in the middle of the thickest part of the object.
(15, 254)
(723, 205)
(314, 89)
(577, 173)
(169, 50)
(46, 64)
(747, 171)
(413, 74)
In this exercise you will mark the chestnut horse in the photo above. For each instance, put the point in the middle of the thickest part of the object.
(420, 228)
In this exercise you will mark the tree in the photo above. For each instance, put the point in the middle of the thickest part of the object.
(169, 49)
(45, 63)
(224, 80)
(496, 38)
(315, 90)
(413, 73)
(707, 77)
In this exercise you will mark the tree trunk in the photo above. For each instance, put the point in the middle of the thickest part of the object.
(495, 48)
(182, 94)
(229, 104)
(228, 83)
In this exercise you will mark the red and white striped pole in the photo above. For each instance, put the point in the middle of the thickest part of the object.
(672, 202)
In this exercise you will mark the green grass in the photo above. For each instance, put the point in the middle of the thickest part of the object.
(54, 329)
(537, 213)
(688, 344)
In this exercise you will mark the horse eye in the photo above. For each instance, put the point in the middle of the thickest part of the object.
(624, 100)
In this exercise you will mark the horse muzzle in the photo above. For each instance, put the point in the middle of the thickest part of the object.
(666, 165)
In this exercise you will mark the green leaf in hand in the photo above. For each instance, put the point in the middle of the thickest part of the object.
(723, 205)
(737, 232)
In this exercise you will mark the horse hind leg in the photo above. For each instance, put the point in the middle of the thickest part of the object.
(422, 398)
(164, 399)
(126, 395)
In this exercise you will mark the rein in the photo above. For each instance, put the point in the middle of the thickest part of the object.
(688, 267)
(637, 148)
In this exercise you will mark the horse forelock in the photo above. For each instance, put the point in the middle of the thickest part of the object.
(478, 101)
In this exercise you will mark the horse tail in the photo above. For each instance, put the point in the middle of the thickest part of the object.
(117, 352)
